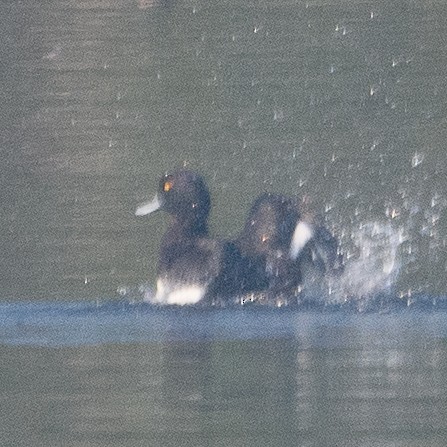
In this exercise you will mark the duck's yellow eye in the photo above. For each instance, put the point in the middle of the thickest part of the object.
(167, 186)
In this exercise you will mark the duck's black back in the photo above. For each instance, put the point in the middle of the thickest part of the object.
(265, 242)
(269, 225)
(282, 241)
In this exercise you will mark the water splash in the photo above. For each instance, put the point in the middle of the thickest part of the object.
(372, 264)
(134, 294)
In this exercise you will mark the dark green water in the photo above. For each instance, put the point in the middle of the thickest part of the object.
(340, 101)
(344, 102)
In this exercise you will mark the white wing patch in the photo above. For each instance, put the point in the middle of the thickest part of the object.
(303, 233)
(178, 295)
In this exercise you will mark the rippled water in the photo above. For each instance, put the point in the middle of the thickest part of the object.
(121, 374)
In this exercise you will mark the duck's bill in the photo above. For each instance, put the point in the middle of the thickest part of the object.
(148, 207)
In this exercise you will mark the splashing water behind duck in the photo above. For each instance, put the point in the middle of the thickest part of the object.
(372, 264)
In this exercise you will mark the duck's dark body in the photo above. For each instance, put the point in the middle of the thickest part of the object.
(282, 240)
(193, 268)
(265, 259)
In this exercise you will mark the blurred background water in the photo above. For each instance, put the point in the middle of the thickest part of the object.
(341, 102)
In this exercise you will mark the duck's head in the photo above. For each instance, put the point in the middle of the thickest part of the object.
(184, 195)
(270, 224)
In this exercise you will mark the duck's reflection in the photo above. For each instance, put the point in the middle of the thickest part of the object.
(261, 392)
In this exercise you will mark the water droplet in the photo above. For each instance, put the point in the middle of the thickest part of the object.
(373, 89)
(417, 159)
(340, 29)
(122, 291)
(278, 115)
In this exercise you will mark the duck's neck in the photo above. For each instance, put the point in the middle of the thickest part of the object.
(186, 229)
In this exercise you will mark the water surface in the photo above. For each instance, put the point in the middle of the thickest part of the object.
(108, 374)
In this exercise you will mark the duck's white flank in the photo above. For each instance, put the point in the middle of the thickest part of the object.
(180, 296)
(303, 233)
